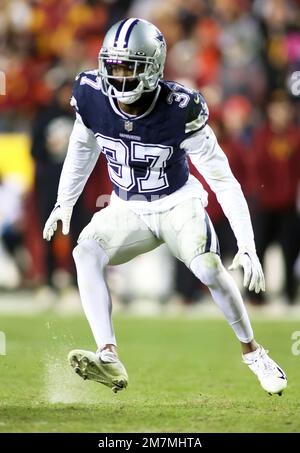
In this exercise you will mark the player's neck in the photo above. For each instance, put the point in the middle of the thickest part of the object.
(140, 106)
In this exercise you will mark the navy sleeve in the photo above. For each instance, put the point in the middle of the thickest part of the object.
(196, 113)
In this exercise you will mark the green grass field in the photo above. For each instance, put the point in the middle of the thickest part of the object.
(185, 376)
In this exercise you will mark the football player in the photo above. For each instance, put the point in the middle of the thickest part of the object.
(147, 127)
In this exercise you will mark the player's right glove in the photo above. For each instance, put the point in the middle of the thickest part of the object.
(253, 274)
(59, 213)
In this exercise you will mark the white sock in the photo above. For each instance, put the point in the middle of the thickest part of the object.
(107, 356)
(209, 269)
(91, 260)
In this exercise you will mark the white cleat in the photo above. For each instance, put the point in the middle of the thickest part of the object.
(271, 377)
(104, 367)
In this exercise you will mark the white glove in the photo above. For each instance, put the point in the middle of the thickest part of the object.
(59, 213)
(253, 273)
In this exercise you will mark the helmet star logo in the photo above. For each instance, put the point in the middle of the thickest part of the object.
(160, 38)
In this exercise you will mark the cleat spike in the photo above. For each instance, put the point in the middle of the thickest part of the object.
(88, 366)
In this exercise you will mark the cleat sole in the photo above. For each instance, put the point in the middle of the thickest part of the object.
(85, 366)
(277, 393)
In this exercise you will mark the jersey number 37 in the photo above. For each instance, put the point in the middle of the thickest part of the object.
(123, 160)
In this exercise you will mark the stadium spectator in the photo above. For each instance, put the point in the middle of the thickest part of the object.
(12, 250)
(50, 137)
(277, 163)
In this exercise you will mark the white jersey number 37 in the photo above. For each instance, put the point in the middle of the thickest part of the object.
(122, 159)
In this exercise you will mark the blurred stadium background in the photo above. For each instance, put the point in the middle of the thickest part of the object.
(244, 56)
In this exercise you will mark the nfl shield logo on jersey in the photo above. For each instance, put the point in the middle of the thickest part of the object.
(128, 126)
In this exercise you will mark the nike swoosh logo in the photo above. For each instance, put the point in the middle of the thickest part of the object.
(282, 373)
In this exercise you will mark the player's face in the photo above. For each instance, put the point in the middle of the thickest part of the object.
(123, 70)
(124, 74)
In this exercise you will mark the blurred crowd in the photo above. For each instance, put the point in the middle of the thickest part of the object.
(243, 55)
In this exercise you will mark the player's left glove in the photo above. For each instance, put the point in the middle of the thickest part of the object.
(63, 213)
(253, 274)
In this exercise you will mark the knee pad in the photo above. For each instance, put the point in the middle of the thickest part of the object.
(89, 252)
(207, 267)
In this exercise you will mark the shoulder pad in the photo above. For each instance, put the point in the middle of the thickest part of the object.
(89, 78)
(191, 102)
(176, 94)
(91, 74)
(85, 83)
(84, 80)
(197, 113)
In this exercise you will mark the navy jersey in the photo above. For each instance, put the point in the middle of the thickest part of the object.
(143, 152)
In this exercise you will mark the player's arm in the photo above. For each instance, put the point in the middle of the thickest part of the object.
(82, 155)
(209, 159)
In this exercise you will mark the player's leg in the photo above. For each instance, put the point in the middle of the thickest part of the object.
(115, 235)
(209, 269)
(189, 233)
